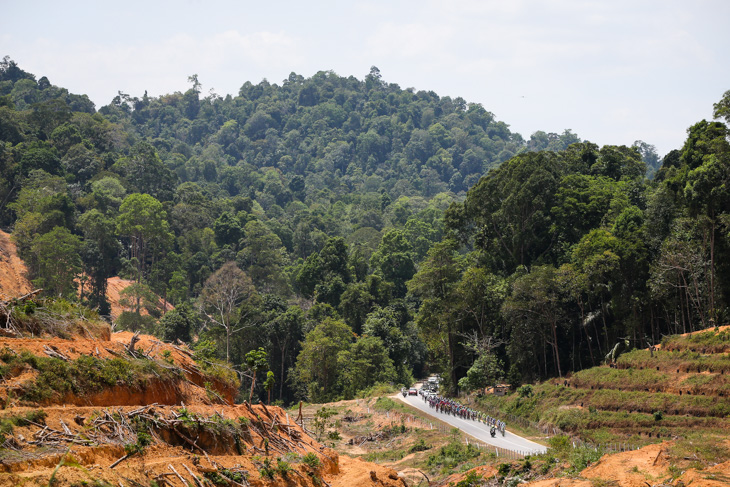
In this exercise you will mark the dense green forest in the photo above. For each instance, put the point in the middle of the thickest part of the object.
(343, 233)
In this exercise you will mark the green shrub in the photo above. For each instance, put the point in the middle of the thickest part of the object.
(525, 391)
(220, 478)
(385, 403)
(311, 460)
(453, 454)
(85, 375)
(581, 457)
(559, 443)
(283, 467)
(472, 479)
(395, 429)
(420, 445)
(267, 471)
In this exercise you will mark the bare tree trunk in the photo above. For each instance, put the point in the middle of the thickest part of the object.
(605, 326)
(555, 346)
(588, 338)
(452, 366)
(228, 343)
(253, 383)
(598, 337)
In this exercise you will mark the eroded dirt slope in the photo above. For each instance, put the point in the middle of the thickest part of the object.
(647, 467)
(13, 280)
(115, 285)
(199, 445)
(191, 386)
(177, 427)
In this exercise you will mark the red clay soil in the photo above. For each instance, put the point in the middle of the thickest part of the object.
(168, 459)
(114, 345)
(632, 468)
(486, 472)
(648, 466)
(85, 465)
(191, 391)
(356, 472)
(13, 280)
(115, 285)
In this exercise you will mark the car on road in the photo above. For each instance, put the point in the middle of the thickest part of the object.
(412, 391)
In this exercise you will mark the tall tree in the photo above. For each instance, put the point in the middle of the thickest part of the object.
(394, 261)
(534, 308)
(223, 292)
(317, 370)
(144, 222)
(435, 284)
(146, 173)
(100, 253)
(510, 208)
(56, 262)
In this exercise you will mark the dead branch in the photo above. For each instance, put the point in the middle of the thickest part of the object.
(178, 475)
(54, 353)
(120, 460)
(22, 298)
(132, 342)
(197, 481)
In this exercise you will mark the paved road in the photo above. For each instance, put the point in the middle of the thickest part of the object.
(478, 430)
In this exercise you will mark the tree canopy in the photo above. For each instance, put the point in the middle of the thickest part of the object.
(358, 232)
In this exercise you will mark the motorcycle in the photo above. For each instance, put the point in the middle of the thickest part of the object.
(493, 431)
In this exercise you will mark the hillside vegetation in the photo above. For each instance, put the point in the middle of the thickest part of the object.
(649, 396)
(327, 234)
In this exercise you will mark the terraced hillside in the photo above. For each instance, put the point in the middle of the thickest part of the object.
(678, 391)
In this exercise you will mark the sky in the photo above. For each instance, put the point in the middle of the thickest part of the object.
(612, 71)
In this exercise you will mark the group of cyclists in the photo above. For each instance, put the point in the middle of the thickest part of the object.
(450, 406)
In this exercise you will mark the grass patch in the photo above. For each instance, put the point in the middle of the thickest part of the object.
(710, 341)
(55, 317)
(378, 390)
(610, 416)
(700, 450)
(550, 396)
(682, 360)
(386, 404)
(451, 455)
(562, 451)
(384, 456)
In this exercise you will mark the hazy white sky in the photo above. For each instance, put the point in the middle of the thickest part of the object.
(613, 71)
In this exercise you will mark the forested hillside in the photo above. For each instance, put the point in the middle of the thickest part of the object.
(341, 233)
